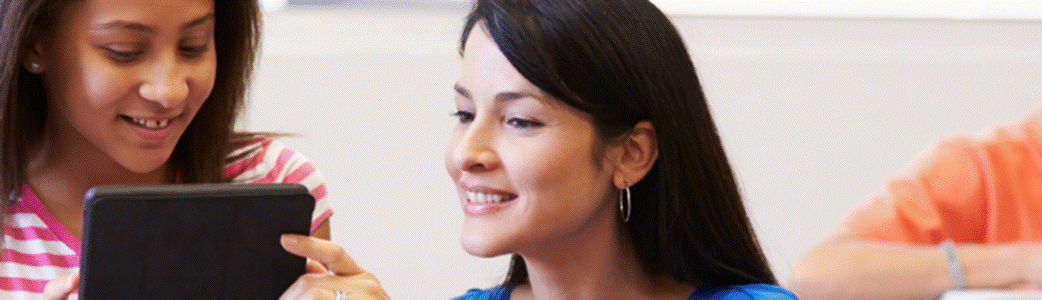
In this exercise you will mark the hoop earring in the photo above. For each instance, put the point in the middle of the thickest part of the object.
(625, 204)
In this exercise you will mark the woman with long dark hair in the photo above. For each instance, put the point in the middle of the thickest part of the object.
(585, 149)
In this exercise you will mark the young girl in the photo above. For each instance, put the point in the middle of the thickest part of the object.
(585, 148)
(98, 92)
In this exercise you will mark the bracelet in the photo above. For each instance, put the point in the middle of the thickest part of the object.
(954, 268)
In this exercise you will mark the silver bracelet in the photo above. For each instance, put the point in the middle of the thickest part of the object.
(954, 268)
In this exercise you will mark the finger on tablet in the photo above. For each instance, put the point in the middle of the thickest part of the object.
(325, 252)
(315, 267)
(61, 287)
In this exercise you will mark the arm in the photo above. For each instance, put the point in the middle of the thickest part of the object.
(848, 267)
(958, 189)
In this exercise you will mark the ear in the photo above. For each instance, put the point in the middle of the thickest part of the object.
(34, 55)
(638, 152)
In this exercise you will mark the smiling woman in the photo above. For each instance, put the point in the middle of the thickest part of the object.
(585, 149)
(102, 92)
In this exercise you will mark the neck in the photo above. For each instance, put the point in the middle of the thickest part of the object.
(597, 264)
(60, 174)
(65, 176)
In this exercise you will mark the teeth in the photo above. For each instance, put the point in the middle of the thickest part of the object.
(485, 198)
(151, 124)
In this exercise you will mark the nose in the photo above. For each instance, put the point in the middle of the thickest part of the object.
(475, 151)
(166, 83)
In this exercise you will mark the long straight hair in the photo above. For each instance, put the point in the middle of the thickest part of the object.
(201, 152)
(622, 62)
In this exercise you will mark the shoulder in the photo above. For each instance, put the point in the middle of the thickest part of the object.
(961, 157)
(473, 294)
(496, 293)
(744, 292)
(1013, 144)
(266, 160)
(960, 171)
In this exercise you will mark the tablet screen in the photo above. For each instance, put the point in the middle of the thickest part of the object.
(203, 241)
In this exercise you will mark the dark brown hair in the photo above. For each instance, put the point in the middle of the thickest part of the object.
(622, 62)
(201, 152)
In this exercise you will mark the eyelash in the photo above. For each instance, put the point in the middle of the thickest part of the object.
(130, 56)
(519, 123)
(464, 116)
(523, 123)
(195, 51)
(123, 56)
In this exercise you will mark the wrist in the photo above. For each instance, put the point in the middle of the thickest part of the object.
(997, 266)
(1021, 259)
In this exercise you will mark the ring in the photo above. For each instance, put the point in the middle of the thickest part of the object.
(340, 295)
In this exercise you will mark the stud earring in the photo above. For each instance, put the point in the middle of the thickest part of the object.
(35, 68)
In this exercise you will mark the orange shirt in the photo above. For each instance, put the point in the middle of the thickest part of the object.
(984, 189)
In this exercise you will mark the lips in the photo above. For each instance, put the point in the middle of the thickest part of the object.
(153, 131)
(154, 124)
(481, 197)
(486, 201)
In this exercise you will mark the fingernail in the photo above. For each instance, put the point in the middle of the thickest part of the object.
(290, 239)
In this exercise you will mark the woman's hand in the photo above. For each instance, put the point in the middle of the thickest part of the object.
(61, 287)
(329, 271)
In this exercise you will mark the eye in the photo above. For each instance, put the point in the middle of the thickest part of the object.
(194, 51)
(520, 123)
(122, 55)
(464, 116)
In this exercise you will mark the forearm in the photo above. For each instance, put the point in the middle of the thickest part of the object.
(870, 270)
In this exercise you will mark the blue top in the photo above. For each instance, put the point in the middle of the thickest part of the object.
(734, 292)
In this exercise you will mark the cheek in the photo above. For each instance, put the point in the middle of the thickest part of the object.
(564, 178)
(102, 82)
(83, 86)
(103, 86)
(548, 170)
(203, 81)
(450, 154)
(208, 73)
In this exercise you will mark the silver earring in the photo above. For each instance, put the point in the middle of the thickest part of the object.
(35, 68)
(625, 204)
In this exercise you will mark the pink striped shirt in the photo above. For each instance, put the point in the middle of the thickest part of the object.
(36, 248)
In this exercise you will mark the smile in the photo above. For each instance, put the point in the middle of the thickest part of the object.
(476, 197)
(150, 124)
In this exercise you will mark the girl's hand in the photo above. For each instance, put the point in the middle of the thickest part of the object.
(61, 287)
(331, 273)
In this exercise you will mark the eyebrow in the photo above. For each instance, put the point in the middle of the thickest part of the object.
(500, 97)
(462, 91)
(119, 24)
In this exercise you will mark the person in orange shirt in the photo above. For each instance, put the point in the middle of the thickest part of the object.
(966, 213)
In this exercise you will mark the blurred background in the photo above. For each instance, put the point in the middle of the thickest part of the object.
(816, 102)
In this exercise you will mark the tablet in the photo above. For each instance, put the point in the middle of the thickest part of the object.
(194, 241)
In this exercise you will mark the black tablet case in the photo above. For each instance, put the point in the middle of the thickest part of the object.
(203, 241)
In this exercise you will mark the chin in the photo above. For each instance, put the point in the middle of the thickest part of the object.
(140, 168)
(481, 246)
(147, 163)
(481, 251)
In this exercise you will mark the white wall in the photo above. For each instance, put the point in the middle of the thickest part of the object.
(814, 112)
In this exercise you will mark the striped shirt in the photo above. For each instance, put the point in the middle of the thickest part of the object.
(36, 248)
